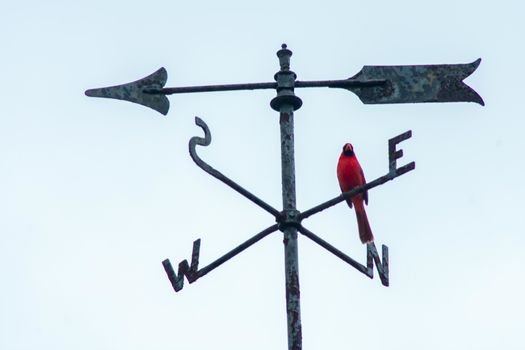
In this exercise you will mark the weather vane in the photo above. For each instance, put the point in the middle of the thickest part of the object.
(373, 85)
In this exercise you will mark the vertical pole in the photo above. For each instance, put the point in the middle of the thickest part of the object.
(285, 103)
(293, 308)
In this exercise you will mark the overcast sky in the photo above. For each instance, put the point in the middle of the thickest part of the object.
(95, 193)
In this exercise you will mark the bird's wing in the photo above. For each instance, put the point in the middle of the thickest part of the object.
(365, 194)
(348, 200)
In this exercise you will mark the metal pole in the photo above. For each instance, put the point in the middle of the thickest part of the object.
(285, 103)
(293, 308)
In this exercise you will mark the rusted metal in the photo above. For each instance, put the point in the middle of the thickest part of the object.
(192, 271)
(194, 141)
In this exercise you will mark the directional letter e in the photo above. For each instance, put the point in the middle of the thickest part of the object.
(394, 154)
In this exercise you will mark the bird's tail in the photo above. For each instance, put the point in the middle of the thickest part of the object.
(365, 232)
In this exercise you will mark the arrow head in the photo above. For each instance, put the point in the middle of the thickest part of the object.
(418, 83)
(134, 91)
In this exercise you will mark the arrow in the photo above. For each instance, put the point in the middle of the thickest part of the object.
(134, 91)
(373, 85)
(418, 83)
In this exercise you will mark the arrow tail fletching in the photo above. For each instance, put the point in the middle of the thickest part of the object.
(134, 92)
(417, 84)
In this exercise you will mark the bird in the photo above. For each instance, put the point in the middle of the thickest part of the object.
(350, 175)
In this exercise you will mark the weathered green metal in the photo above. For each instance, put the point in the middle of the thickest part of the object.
(193, 273)
(285, 103)
(416, 84)
(372, 256)
(373, 85)
(288, 221)
(134, 92)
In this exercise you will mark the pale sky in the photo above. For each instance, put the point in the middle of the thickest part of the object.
(96, 193)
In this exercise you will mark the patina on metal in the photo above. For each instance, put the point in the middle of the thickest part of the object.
(417, 84)
(193, 273)
(373, 85)
(286, 103)
(217, 174)
(134, 92)
(287, 218)
(371, 257)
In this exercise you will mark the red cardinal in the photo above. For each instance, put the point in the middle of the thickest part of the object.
(350, 175)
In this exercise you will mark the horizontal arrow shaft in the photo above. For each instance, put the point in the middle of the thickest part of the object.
(346, 83)
(208, 88)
